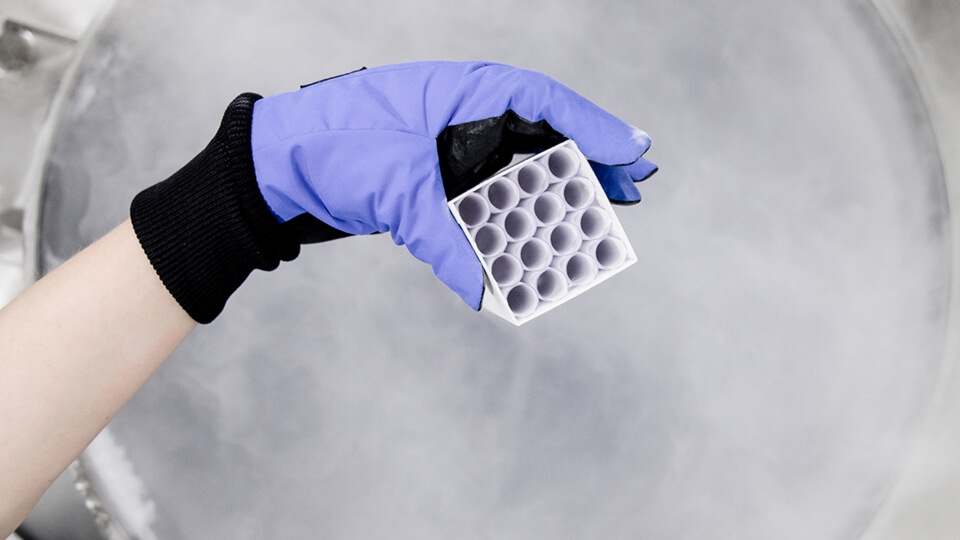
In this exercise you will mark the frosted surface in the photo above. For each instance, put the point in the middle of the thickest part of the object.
(756, 375)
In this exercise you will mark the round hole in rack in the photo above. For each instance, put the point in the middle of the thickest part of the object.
(522, 299)
(502, 194)
(610, 253)
(474, 210)
(506, 270)
(519, 224)
(490, 240)
(563, 163)
(580, 268)
(535, 254)
(532, 179)
(551, 284)
(564, 238)
(548, 208)
(594, 222)
(578, 193)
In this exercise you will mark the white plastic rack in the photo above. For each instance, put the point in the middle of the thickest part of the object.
(544, 231)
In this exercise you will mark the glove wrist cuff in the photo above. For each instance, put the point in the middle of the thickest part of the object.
(207, 227)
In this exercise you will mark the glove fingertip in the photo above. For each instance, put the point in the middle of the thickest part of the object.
(653, 172)
(626, 202)
(641, 139)
(641, 169)
(617, 184)
(602, 136)
(616, 146)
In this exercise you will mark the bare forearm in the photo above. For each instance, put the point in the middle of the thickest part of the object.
(73, 349)
(77, 345)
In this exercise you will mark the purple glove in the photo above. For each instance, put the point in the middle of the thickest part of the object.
(383, 149)
(372, 151)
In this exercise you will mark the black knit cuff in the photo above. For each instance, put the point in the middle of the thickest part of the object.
(207, 227)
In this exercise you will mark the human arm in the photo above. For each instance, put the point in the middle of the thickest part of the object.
(380, 151)
(73, 349)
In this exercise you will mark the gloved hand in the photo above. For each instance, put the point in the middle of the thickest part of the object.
(377, 150)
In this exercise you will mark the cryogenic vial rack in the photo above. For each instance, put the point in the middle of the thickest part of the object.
(544, 232)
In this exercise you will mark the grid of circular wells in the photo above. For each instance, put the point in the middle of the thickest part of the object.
(542, 231)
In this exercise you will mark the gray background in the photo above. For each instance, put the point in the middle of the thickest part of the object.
(754, 376)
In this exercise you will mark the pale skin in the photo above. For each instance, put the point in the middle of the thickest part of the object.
(74, 348)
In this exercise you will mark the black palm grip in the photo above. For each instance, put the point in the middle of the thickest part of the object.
(472, 152)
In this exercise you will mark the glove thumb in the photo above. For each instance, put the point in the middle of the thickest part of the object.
(431, 234)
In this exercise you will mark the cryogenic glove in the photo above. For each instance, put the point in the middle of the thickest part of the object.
(382, 150)
(378, 150)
